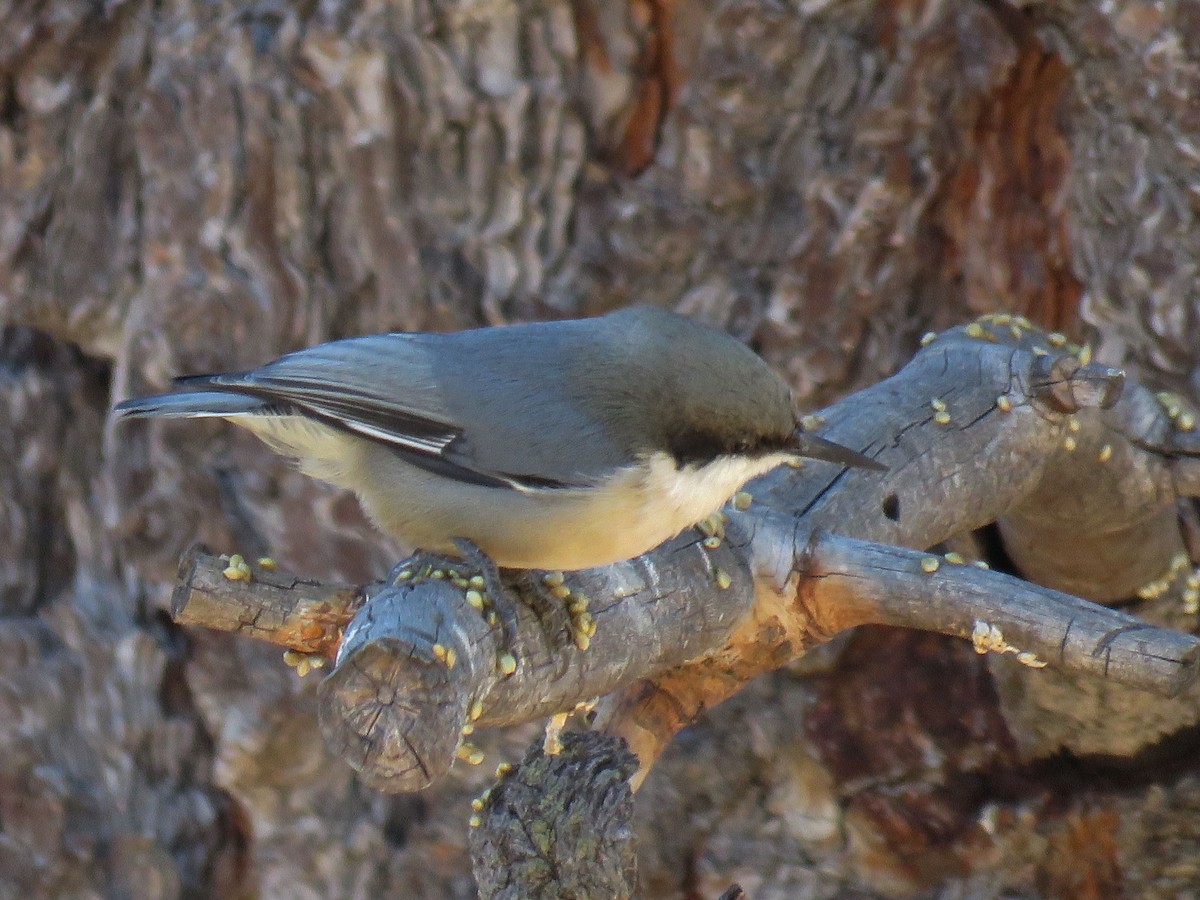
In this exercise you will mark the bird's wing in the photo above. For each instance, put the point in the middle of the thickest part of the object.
(378, 386)
(393, 389)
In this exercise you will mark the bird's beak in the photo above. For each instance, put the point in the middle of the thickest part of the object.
(813, 447)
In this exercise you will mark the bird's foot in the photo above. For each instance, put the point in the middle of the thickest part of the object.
(557, 608)
(504, 603)
(549, 598)
(426, 565)
(555, 598)
(477, 575)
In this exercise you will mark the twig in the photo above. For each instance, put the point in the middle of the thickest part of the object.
(295, 613)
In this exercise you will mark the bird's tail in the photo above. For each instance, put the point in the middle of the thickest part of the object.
(189, 405)
(814, 447)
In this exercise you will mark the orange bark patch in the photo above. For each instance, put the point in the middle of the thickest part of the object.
(657, 70)
(1082, 862)
(658, 89)
(1005, 208)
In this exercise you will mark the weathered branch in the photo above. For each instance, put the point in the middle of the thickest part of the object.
(992, 422)
(295, 613)
(842, 582)
(538, 835)
(395, 708)
(1041, 626)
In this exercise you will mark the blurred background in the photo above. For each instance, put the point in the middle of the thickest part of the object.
(196, 186)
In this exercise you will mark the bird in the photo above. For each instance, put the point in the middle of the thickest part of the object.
(558, 446)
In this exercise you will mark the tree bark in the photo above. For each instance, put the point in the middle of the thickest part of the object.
(196, 186)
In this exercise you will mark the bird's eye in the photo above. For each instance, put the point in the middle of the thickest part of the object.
(741, 446)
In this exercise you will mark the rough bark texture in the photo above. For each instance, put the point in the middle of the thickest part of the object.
(188, 186)
(538, 836)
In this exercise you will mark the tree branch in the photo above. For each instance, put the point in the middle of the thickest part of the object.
(990, 422)
(299, 614)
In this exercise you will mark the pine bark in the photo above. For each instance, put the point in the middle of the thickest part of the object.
(192, 186)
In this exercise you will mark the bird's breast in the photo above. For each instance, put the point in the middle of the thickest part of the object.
(631, 511)
(683, 495)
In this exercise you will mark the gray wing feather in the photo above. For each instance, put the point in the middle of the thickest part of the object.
(189, 405)
(377, 386)
(467, 404)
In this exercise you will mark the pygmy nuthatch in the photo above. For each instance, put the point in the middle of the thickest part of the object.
(553, 445)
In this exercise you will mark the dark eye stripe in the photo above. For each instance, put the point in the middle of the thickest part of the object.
(697, 447)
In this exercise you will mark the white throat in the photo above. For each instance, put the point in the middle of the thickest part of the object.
(692, 493)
